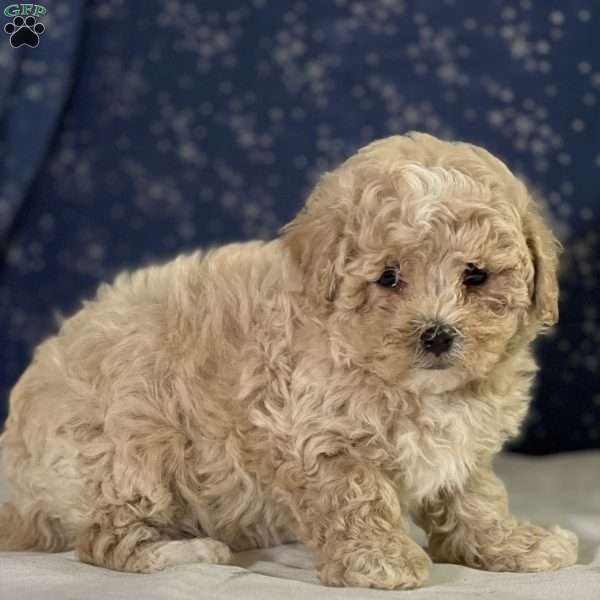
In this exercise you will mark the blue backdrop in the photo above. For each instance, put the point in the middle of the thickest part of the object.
(138, 129)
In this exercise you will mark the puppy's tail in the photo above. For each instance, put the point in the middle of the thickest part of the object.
(34, 531)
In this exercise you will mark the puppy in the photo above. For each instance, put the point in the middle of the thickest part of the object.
(363, 368)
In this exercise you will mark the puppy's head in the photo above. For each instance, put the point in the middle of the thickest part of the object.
(427, 260)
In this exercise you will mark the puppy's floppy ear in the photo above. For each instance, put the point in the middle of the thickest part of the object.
(313, 239)
(545, 250)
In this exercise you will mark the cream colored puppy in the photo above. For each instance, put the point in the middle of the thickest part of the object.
(323, 387)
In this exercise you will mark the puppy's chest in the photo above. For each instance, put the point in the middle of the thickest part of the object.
(435, 449)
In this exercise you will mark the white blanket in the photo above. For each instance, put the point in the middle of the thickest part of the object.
(563, 490)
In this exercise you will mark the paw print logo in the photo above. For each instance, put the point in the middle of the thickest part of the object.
(24, 32)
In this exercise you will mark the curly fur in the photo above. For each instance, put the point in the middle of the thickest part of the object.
(260, 393)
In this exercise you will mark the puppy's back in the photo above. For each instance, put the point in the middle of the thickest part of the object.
(121, 361)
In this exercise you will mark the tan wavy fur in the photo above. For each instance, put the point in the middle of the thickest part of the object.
(260, 393)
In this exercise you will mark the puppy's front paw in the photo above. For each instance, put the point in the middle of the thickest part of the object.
(545, 550)
(386, 565)
(516, 547)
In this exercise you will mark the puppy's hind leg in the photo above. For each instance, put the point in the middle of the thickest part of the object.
(116, 541)
(177, 552)
(30, 528)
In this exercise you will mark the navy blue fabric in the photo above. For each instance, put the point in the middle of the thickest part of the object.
(140, 129)
(33, 90)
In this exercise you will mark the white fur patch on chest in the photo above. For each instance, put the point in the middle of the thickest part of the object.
(436, 449)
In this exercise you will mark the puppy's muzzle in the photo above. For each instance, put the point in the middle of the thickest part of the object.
(438, 339)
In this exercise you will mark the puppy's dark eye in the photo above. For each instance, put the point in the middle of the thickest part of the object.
(474, 276)
(390, 277)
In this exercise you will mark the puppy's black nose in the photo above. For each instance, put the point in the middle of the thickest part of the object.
(438, 339)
